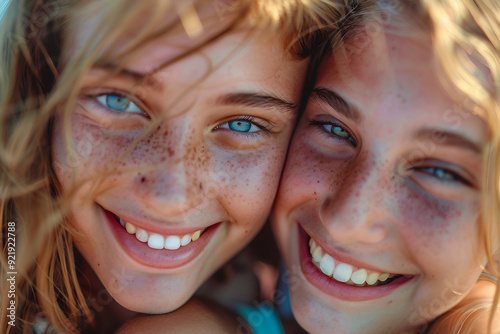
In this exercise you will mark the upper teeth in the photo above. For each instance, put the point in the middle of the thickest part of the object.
(344, 272)
(157, 241)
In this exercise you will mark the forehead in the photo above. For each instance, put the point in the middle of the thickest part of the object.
(396, 77)
(196, 18)
(243, 53)
(383, 61)
(176, 26)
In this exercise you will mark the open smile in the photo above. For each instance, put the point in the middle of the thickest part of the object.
(158, 241)
(343, 280)
(346, 273)
(166, 249)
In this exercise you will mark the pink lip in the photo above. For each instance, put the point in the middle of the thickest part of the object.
(163, 258)
(337, 289)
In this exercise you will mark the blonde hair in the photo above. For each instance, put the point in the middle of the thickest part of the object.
(466, 41)
(35, 81)
(466, 318)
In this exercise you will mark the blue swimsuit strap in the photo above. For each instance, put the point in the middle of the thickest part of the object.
(263, 319)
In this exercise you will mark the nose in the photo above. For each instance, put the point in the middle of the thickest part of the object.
(174, 182)
(357, 209)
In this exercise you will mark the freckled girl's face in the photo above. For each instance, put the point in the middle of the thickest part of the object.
(181, 197)
(383, 181)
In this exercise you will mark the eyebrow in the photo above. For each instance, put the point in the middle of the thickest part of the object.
(256, 100)
(448, 138)
(337, 102)
(142, 78)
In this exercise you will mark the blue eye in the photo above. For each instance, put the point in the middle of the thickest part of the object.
(117, 102)
(336, 130)
(442, 174)
(240, 126)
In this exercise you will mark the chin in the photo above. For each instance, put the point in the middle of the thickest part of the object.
(151, 298)
(148, 306)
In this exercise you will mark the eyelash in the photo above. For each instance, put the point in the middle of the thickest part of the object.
(94, 98)
(321, 126)
(431, 171)
(250, 119)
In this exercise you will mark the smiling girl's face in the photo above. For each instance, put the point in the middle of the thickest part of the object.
(180, 198)
(377, 212)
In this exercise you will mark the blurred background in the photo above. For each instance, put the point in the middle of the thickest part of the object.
(3, 5)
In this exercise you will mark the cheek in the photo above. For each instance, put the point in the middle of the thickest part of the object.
(249, 182)
(299, 173)
(94, 148)
(434, 221)
(426, 211)
(308, 174)
(442, 235)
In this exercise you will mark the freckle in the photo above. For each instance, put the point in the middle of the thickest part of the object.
(170, 151)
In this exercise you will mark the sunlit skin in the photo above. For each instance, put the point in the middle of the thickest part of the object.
(213, 160)
(384, 172)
